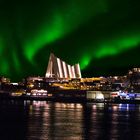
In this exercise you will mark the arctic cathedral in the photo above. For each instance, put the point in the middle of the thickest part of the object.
(60, 69)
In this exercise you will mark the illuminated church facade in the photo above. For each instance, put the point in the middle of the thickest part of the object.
(60, 69)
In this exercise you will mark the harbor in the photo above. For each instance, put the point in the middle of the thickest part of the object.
(64, 83)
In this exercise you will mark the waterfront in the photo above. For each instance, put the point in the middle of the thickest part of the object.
(41, 120)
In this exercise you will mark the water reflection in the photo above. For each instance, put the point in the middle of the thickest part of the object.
(55, 121)
(84, 121)
(67, 121)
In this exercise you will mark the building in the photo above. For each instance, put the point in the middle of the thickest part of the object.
(60, 69)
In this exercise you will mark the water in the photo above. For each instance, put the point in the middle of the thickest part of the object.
(67, 121)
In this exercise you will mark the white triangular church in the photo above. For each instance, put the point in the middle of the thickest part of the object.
(59, 69)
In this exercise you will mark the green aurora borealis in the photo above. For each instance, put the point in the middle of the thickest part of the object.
(103, 35)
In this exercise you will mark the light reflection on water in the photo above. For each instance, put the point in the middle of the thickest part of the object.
(41, 120)
(55, 121)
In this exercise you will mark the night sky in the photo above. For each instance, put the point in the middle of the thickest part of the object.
(102, 35)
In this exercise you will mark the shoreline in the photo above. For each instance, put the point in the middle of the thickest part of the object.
(67, 100)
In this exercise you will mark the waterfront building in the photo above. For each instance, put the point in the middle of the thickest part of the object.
(58, 68)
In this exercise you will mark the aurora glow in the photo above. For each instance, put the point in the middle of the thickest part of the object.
(96, 33)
